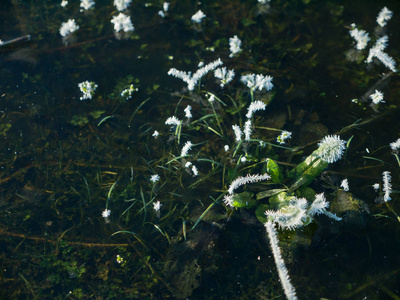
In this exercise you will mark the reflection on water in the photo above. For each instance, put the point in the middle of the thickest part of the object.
(67, 158)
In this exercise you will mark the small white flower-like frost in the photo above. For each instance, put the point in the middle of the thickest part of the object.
(188, 113)
(155, 134)
(87, 88)
(192, 80)
(377, 97)
(319, 205)
(360, 36)
(260, 82)
(234, 45)
(155, 178)
(86, 4)
(186, 148)
(283, 137)
(188, 164)
(228, 200)
(331, 148)
(247, 130)
(238, 132)
(195, 171)
(384, 15)
(376, 186)
(345, 185)
(68, 27)
(387, 186)
(224, 75)
(106, 213)
(64, 3)
(122, 4)
(127, 93)
(243, 159)
(157, 205)
(255, 106)
(173, 121)
(226, 148)
(395, 145)
(198, 17)
(245, 180)
(122, 22)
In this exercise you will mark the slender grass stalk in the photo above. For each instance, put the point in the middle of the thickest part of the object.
(279, 262)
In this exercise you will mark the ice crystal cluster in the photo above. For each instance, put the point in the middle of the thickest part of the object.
(331, 148)
(234, 46)
(362, 38)
(395, 145)
(192, 80)
(224, 75)
(198, 17)
(283, 273)
(377, 97)
(387, 186)
(257, 82)
(87, 88)
(86, 4)
(122, 4)
(384, 15)
(123, 23)
(68, 27)
(297, 213)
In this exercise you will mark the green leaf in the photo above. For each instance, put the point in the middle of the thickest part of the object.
(260, 212)
(305, 172)
(244, 199)
(274, 171)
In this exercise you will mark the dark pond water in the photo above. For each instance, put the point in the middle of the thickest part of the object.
(99, 198)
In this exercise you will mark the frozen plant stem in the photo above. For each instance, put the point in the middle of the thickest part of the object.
(288, 288)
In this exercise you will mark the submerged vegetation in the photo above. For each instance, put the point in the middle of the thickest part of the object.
(208, 137)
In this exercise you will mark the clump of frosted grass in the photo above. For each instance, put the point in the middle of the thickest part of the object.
(387, 186)
(87, 88)
(186, 148)
(238, 132)
(247, 130)
(395, 145)
(234, 46)
(245, 180)
(192, 80)
(123, 23)
(188, 112)
(331, 148)
(255, 106)
(283, 273)
(68, 27)
(377, 97)
(384, 15)
(86, 4)
(173, 121)
(360, 36)
(224, 75)
(260, 82)
(122, 4)
(198, 17)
